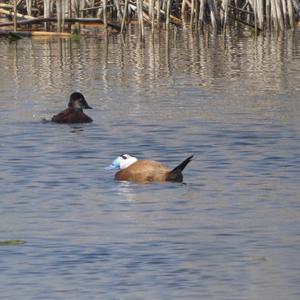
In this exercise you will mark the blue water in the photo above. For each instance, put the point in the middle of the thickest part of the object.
(230, 231)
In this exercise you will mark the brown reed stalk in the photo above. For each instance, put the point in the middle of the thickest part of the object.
(262, 14)
(268, 13)
(158, 3)
(124, 15)
(15, 15)
(197, 5)
(183, 6)
(224, 16)
(168, 14)
(279, 14)
(284, 12)
(28, 7)
(290, 13)
(213, 13)
(140, 18)
(201, 12)
(104, 11)
(60, 15)
(192, 12)
(151, 14)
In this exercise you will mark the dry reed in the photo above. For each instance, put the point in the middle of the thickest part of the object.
(277, 15)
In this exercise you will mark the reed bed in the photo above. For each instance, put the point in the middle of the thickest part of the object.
(261, 15)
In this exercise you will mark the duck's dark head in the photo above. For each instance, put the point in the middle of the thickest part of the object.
(78, 102)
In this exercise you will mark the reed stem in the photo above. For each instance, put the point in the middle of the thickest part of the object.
(168, 13)
(104, 5)
(259, 14)
(15, 15)
(125, 11)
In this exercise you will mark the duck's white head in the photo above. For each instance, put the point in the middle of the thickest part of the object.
(122, 162)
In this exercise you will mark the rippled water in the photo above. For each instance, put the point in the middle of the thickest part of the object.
(231, 231)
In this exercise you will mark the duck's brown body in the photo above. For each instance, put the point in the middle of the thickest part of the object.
(71, 115)
(144, 171)
(74, 113)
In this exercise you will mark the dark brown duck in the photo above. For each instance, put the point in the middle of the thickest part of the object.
(132, 169)
(74, 113)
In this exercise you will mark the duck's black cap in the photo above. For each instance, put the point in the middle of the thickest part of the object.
(78, 96)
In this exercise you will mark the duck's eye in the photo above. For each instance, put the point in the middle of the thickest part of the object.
(124, 156)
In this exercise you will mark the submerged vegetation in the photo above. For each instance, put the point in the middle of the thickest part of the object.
(58, 15)
(12, 242)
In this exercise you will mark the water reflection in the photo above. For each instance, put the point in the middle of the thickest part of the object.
(168, 64)
(210, 56)
(231, 100)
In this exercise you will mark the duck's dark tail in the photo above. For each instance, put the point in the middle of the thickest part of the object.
(176, 174)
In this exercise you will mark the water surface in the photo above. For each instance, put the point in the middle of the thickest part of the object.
(231, 231)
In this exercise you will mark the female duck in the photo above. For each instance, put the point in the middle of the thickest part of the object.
(74, 113)
(132, 169)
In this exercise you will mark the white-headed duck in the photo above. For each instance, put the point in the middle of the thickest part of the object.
(74, 113)
(143, 171)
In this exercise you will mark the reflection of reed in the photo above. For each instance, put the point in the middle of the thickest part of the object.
(155, 67)
(170, 69)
